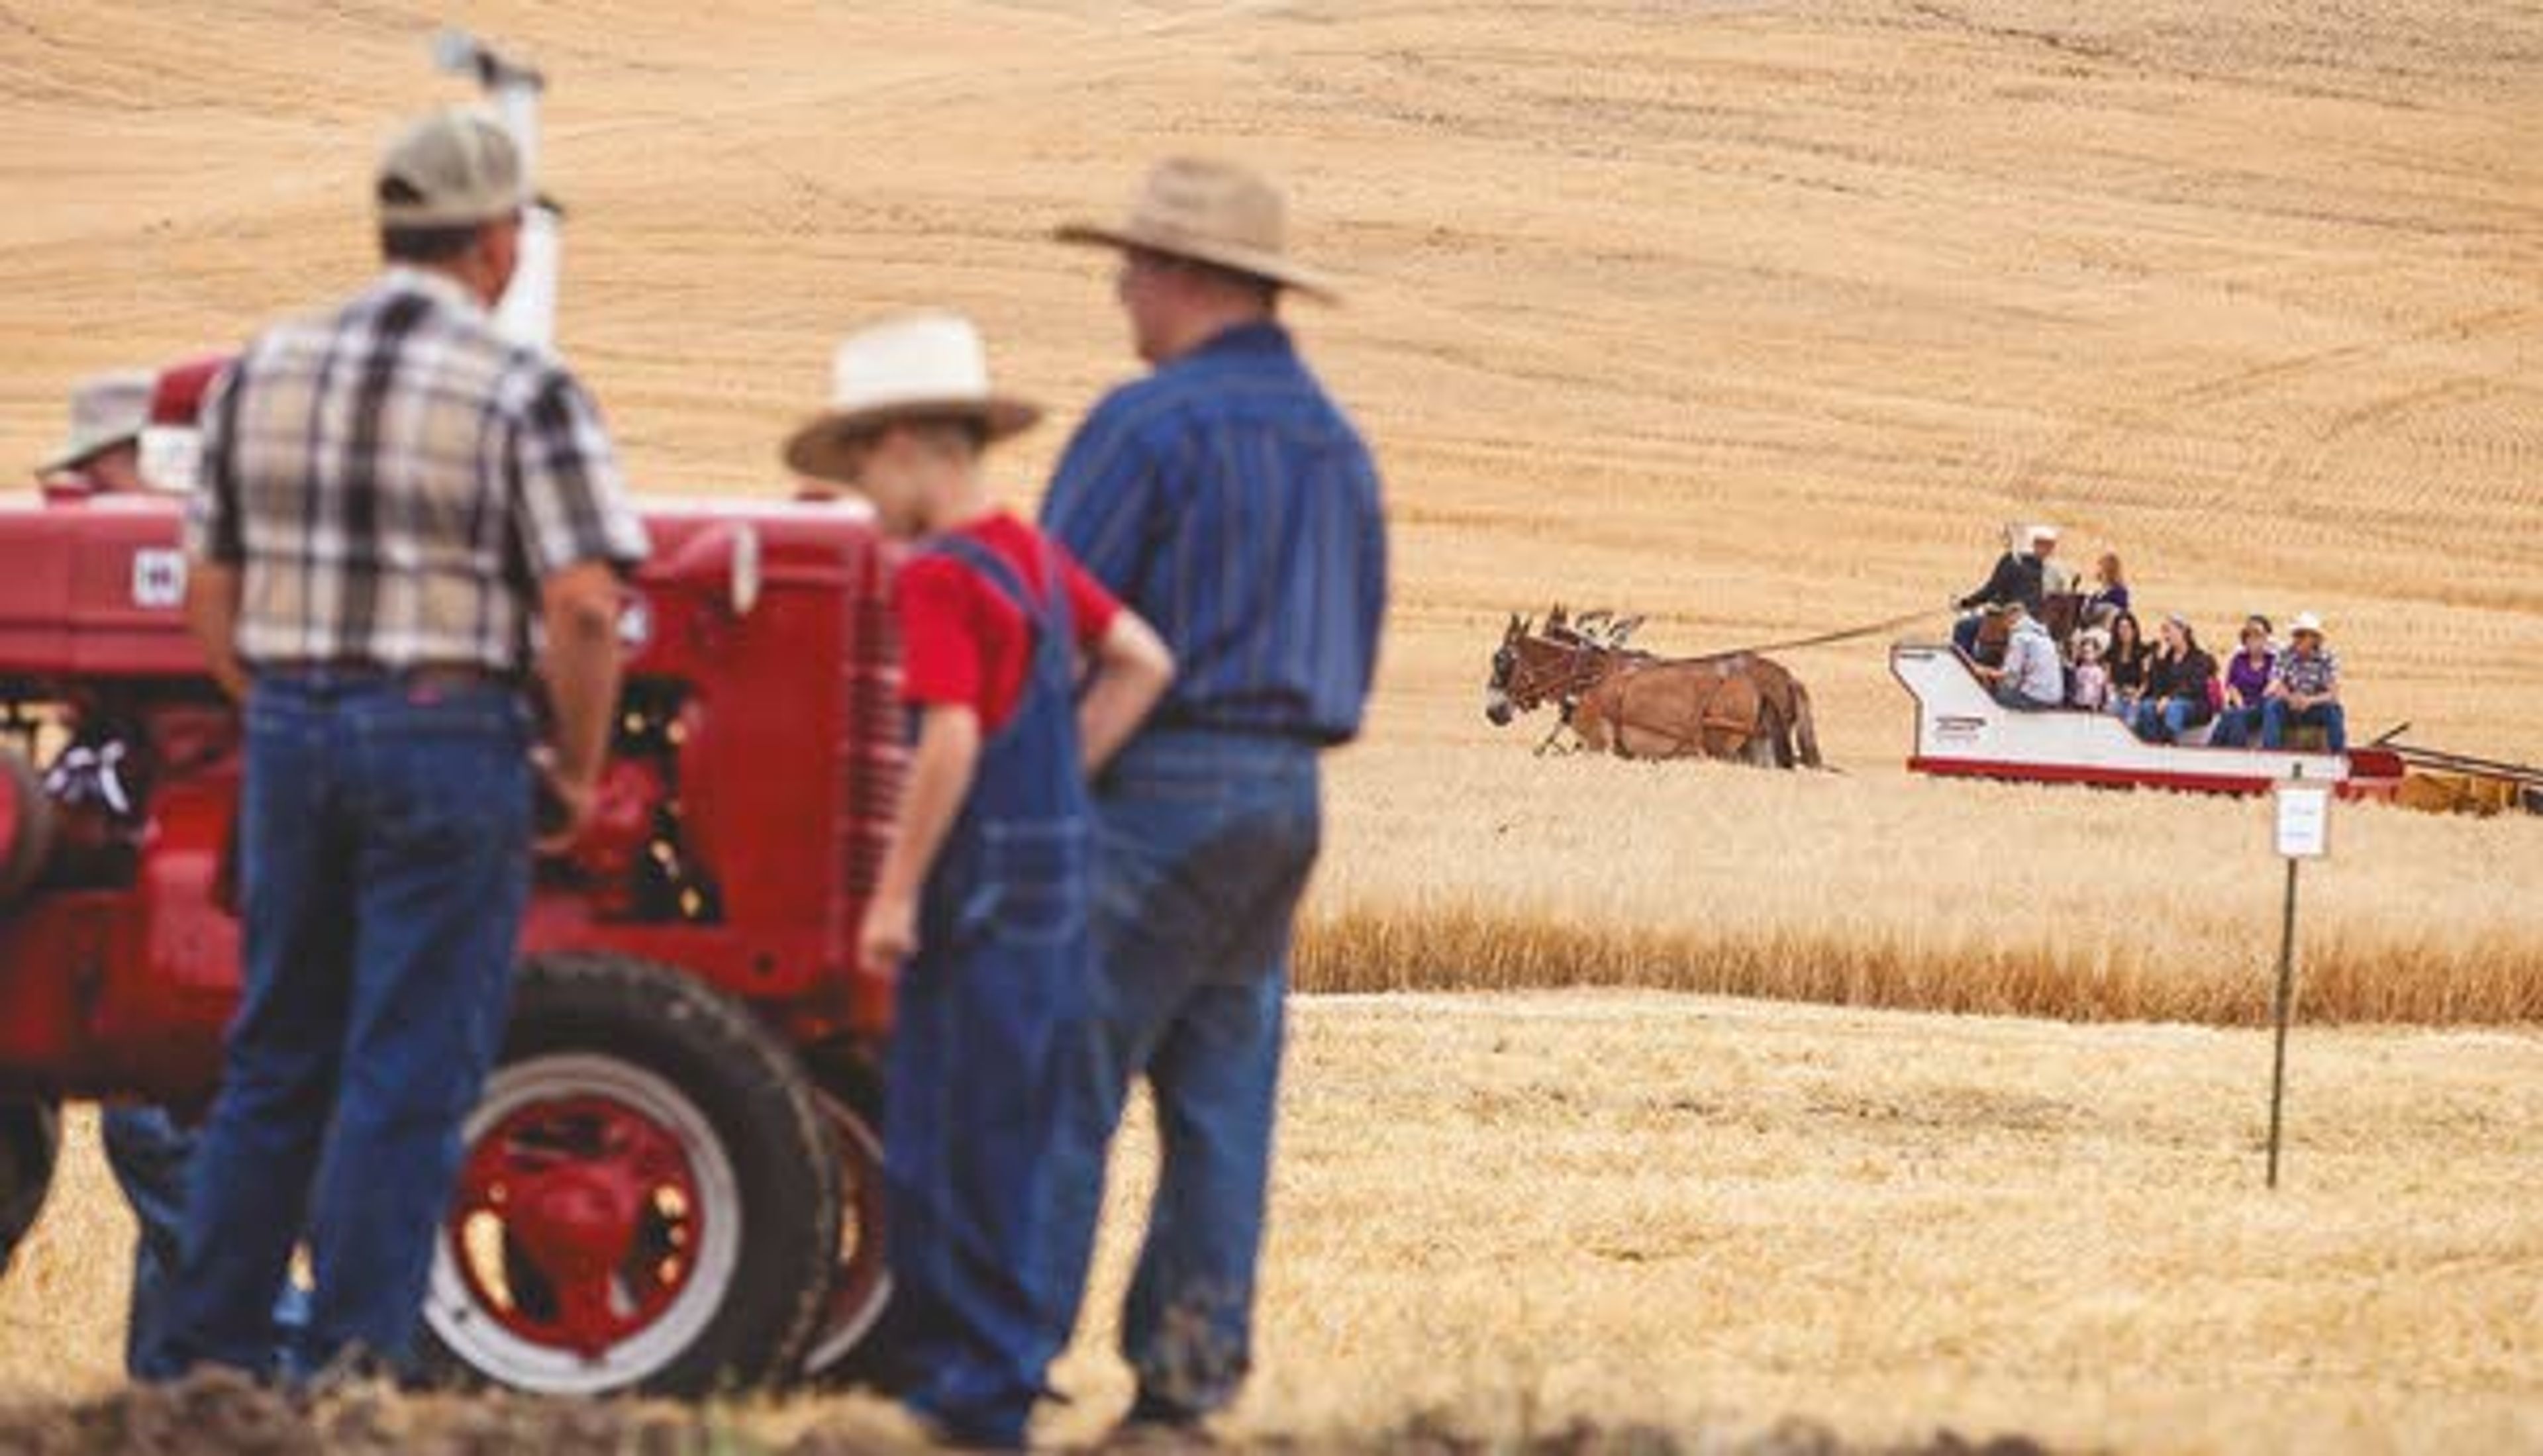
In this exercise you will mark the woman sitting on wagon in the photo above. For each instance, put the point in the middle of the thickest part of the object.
(2247, 683)
(2128, 657)
(2110, 594)
(2180, 686)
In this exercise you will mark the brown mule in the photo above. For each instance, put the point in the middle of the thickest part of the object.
(1732, 706)
(1795, 735)
(1679, 710)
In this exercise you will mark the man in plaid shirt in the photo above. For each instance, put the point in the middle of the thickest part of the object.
(401, 517)
(2305, 691)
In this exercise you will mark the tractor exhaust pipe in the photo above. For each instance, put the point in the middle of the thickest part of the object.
(527, 314)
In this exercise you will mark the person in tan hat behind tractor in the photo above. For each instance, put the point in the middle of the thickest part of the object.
(980, 908)
(394, 507)
(1227, 498)
(102, 453)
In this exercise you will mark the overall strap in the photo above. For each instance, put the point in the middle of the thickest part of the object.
(1042, 613)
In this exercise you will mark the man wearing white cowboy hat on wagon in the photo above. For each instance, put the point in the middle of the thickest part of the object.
(2305, 692)
(980, 908)
(103, 451)
(1227, 498)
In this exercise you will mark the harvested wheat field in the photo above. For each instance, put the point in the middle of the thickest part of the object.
(1761, 317)
(1708, 1215)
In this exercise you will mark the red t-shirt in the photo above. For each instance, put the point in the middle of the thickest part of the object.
(962, 641)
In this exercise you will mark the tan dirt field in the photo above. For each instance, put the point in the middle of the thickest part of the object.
(1717, 1213)
(1760, 315)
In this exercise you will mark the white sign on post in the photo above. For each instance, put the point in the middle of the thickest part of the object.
(2304, 821)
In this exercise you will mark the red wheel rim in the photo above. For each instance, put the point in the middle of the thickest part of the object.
(576, 1222)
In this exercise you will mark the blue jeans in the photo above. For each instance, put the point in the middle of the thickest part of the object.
(2237, 727)
(2276, 718)
(1207, 842)
(979, 1027)
(384, 836)
(150, 1155)
(2167, 721)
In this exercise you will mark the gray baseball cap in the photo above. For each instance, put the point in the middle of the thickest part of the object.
(452, 169)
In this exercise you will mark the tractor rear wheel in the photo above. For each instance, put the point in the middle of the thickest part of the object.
(846, 1350)
(31, 1142)
(648, 1201)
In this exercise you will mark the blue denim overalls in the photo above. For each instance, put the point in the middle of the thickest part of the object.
(1001, 965)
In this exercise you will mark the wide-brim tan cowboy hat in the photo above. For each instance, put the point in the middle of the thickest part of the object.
(1213, 212)
(918, 366)
(107, 411)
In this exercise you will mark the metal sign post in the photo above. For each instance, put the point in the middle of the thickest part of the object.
(2303, 834)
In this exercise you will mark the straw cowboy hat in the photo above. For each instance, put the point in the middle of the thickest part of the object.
(919, 366)
(107, 411)
(1213, 212)
(2305, 622)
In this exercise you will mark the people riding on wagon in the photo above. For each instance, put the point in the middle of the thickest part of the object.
(2306, 690)
(2089, 685)
(2248, 675)
(2110, 594)
(2032, 677)
(2180, 693)
(2020, 575)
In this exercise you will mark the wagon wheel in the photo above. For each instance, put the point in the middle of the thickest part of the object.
(646, 1201)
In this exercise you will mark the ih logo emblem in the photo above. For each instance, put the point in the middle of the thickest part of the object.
(158, 578)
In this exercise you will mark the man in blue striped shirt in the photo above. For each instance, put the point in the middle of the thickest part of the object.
(1227, 499)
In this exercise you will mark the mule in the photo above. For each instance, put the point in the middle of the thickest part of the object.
(1734, 705)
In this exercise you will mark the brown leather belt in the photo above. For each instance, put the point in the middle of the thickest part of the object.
(446, 676)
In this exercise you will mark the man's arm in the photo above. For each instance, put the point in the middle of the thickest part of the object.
(216, 541)
(1999, 586)
(212, 614)
(1131, 670)
(580, 608)
(574, 524)
(940, 776)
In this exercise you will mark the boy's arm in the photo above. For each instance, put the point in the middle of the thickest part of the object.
(940, 777)
(1131, 669)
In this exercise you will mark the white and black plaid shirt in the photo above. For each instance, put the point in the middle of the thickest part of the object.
(393, 480)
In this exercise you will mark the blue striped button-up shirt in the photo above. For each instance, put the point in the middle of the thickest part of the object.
(1227, 499)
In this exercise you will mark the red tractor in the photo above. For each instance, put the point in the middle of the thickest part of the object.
(674, 1181)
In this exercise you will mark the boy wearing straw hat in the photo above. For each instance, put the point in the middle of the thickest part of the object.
(981, 906)
(1229, 499)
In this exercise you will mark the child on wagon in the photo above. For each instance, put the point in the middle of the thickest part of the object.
(981, 904)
